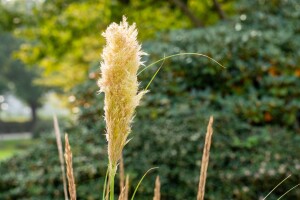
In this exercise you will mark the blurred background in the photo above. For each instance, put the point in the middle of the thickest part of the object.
(49, 64)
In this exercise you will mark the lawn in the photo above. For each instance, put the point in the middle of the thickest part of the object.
(8, 148)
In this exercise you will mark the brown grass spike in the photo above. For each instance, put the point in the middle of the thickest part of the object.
(70, 175)
(60, 154)
(157, 189)
(122, 176)
(122, 194)
(126, 188)
(205, 159)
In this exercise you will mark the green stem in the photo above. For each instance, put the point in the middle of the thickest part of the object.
(112, 174)
(105, 184)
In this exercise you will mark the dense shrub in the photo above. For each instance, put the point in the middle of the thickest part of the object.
(13, 127)
(246, 161)
(41, 126)
(260, 50)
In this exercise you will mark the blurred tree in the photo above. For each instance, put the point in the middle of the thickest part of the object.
(64, 36)
(14, 76)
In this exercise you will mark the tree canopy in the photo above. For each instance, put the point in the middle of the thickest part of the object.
(64, 37)
(15, 77)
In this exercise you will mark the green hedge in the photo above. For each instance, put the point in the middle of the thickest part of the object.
(246, 162)
(260, 50)
(41, 125)
(13, 127)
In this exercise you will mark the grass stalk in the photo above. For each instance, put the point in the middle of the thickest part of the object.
(121, 88)
(122, 174)
(112, 174)
(126, 188)
(105, 185)
(205, 159)
(70, 174)
(60, 154)
(157, 189)
(107, 190)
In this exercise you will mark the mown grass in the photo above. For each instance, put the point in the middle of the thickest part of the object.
(8, 148)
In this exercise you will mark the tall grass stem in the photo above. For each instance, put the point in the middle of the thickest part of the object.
(70, 173)
(61, 154)
(205, 159)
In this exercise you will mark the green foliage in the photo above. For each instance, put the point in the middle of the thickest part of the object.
(14, 127)
(261, 79)
(10, 147)
(63, 40)
(41, 126)
(15, 77)
(63, 37)
(246, 161)
(9, 18)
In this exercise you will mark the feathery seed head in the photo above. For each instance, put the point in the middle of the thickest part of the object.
(121, 60)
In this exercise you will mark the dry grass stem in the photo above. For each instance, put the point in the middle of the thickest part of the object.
(205, 159)
(60, 154)
(70, 175)
(122, 194)
(122, 176)
(126, 193)
(125, 190)
(157, 189)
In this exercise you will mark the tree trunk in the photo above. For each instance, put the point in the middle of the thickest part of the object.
(126, 2)
(219, 10)
(184, 8)
(33, 107)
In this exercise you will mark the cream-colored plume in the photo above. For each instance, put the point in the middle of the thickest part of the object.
(121, 61)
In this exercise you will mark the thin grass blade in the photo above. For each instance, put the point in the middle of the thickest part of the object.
(105, 185)
(153, 77)
(277, 186)
(180, 54)
(288, 191)
(138, 185)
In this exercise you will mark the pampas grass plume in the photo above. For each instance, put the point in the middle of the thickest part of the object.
(121, 60)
